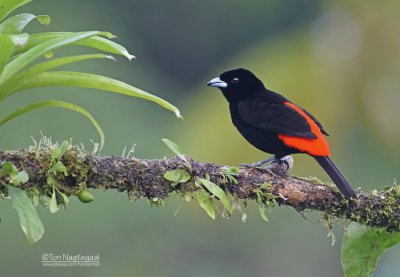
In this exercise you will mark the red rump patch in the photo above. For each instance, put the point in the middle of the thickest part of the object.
(315, 147)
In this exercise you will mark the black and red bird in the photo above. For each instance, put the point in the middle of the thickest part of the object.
(275, 125)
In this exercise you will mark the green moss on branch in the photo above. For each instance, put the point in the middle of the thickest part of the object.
(145, 179)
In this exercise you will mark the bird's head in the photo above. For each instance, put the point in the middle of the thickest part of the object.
(237, 84)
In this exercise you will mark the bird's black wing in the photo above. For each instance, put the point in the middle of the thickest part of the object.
(316, 122)
(274, 117)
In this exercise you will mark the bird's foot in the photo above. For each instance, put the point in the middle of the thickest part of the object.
(281, 166)
(276, 166)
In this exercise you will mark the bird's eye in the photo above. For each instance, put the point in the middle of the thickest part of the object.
(235, 80)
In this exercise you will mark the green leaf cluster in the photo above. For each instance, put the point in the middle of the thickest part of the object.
(229, 174)
(15, 176)
(215, 191)
(57, 170)
(28, 218)
(26, 61)
(265, 199)
(51, 195)
(206, 200)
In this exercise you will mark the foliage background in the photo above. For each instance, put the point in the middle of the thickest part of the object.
(339, 60)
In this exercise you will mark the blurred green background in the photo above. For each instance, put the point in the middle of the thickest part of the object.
(338, 59)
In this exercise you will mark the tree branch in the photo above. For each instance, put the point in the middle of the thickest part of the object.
(145, 178)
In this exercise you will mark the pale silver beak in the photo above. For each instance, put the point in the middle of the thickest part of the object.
(217, 82)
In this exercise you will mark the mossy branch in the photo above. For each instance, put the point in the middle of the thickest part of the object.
(145, 179)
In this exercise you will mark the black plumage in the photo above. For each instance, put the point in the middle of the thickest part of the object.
(273, 124)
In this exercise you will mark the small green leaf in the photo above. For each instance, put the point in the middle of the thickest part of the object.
(265, 185)
(386, 188)
(217, 191)
(14, 171)
(44, 19)
(60, 167)
(65, 198)
(177, 176)
(28, 217)
(177, 150)
(173, 146)
(15, 179)
(35, 196)
(53, 203)
(229, 173)
(206, 202)
(261, 209)
(23, 176)
(85, 196)
(44, 200)
(37, 156)
(362, 248)
(11, 170)
(55, 153)
(234, 171)
(8, 168)
(63, 148)
(50, 180)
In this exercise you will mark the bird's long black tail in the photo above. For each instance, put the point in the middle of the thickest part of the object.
(336, 176)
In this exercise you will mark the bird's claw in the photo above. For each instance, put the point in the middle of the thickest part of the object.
(267, 169)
